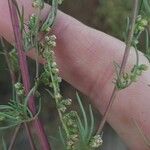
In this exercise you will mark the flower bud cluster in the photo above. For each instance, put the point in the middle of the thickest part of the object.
(70, 120)
(38, 4)
(51, 69)
(127, 78)
(51, 78)
(32, 22)
(141, 24)
(60, 2)
(96, 141)
(63, 104)
(19, 89)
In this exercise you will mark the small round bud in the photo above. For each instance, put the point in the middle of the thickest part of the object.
(96, 141)
(53, 37)
(48, 29)
(70, 143)
(59, 79)
(74, 137)
(54, 64)
(47, 38)
(143, 67)
(52, 53)
(55, 70)
(70, 122)
(68, 101)
(144, 22)
(62, 108)
(60, 2)
(35, 4)
(51, 43)
(58, 96)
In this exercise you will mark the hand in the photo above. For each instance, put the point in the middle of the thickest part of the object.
(85, 57)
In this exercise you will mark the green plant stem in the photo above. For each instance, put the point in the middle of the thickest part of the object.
(36, 43)
(140, 8)
(14, 137)
(29, 137)
(25, 74)
(59, 112)
(123, 64)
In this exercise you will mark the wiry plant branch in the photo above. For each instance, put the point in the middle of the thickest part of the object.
(123, 64)
(24, 71)
(14, 137)
(30, 137)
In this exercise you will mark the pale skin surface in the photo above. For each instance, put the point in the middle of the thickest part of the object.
(85, 57)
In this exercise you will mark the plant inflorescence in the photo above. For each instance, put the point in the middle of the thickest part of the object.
(76, 130)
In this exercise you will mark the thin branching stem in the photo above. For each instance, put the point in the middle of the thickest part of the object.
(29, 136)
(24, 72)
(123, 64)
(14, 137)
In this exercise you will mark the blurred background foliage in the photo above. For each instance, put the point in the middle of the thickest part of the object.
(105, 15)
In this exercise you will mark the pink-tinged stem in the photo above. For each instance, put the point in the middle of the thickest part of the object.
(123, 64)
(25, 73)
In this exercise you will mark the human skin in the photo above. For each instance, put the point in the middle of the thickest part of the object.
(85, 58)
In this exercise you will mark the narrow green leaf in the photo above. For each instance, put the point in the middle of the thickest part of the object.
(51, 17)
(83, 113)
(4, 144)
(92, 123)
(61, 136)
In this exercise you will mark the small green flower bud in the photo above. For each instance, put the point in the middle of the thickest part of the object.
(53, 37)
(52, 53)
(74, 137)
(138, 72)
(96, 141)
(58, 96)
(143, 67)
(60, 2)
(133, 77)
(125, 76)
(35, 4)
(144, 22)
(48, 29)
(69, 144)
(68, 102)
(52, 43)
(59, 79)
(70, 122)
(55, 70)
(63, 108)
(72, 113)
(47, 38)
(38, 4)
(54, 64)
